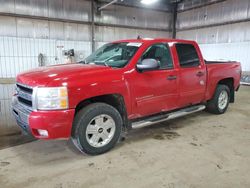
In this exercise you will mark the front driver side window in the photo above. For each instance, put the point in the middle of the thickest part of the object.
(161, 53)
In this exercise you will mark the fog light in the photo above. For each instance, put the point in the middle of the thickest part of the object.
(43, 132)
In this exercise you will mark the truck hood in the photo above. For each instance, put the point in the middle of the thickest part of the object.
(44, 75)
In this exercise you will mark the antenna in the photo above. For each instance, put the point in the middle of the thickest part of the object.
(139, 37)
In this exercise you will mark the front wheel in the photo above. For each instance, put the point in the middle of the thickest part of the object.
(220, 101)
(97, 128)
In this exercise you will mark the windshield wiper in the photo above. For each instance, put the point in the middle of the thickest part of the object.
(82, 62)
(101, 63)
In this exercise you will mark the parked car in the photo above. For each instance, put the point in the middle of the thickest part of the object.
(124, 84)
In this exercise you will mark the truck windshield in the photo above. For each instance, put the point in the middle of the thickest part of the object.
(113, 54)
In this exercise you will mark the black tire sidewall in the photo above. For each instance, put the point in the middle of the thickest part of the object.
(86, 116)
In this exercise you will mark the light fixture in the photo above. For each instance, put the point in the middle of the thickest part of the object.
(148, 2)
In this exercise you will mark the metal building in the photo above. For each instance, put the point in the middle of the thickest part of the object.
(166, 118)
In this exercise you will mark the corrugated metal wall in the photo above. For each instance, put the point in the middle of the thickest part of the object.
(222, 29)
(6, 119)
(31, 27)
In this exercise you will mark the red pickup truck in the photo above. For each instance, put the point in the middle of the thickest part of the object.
(124, 84)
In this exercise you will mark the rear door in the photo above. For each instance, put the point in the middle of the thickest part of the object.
(192, 72)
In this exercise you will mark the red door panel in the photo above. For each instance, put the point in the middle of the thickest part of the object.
(192, 85)
(154, 92)
(192, 71)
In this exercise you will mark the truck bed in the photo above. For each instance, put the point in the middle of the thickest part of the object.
(218, 70)
(219, 62)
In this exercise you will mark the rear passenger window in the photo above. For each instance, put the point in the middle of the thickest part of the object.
(187, 54)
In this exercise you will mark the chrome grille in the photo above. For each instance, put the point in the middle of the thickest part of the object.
(21, 114)
(24, 94)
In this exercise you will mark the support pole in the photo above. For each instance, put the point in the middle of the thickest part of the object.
(93, 25)
(174, 19)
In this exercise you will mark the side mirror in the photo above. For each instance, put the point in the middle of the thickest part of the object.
(147, 65)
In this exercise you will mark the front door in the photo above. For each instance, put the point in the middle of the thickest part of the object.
(157, 90)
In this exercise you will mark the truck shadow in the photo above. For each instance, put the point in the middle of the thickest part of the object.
(60, 151)
(167, 130)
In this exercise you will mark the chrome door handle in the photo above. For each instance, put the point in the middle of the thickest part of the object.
(171, 77)
(200, 73)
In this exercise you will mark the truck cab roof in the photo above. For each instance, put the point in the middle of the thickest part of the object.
(154, 40)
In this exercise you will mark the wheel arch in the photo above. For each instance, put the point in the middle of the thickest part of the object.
(115, 100)
(230, 83)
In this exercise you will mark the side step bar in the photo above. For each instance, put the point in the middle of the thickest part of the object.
(165, 117)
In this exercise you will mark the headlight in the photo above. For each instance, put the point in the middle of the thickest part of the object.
(52, 98)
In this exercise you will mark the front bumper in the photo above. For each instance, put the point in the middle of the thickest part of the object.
(57, 123)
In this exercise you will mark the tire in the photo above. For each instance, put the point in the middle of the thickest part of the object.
(216, 104)
(97, 128)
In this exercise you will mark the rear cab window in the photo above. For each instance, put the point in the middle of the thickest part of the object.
(187, 54)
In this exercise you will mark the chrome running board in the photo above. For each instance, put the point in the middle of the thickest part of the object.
(164, 117)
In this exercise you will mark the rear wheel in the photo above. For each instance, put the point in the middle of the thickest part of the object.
(220, 101)
(97, 128)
